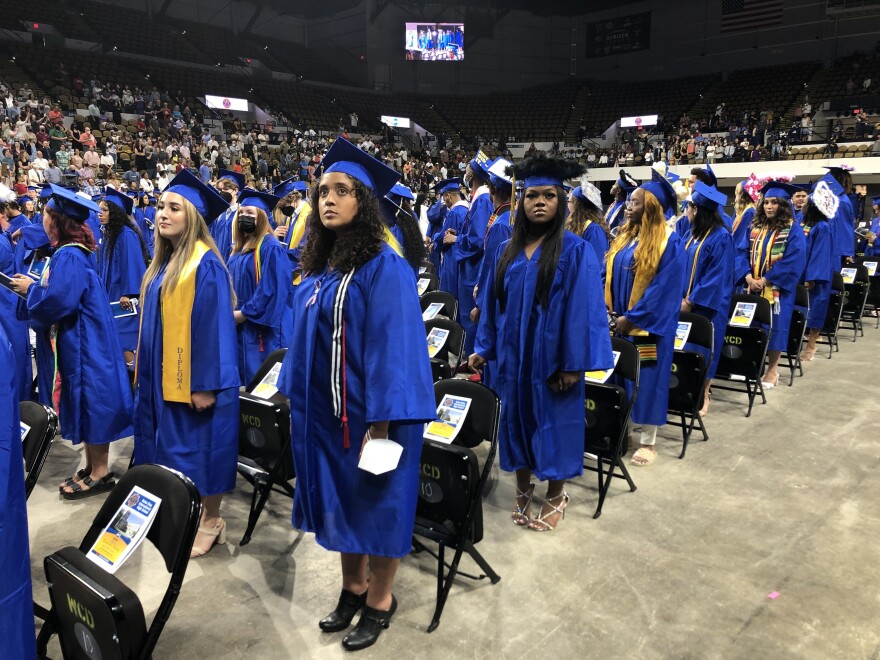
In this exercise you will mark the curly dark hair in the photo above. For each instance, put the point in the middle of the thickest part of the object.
(783, 217)
(352, 249)
(117, 220)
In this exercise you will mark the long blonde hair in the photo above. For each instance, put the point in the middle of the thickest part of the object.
(583, 211)
(164, 253)
(248, 242)
(651, 232)
(742, 201)
(281, 219)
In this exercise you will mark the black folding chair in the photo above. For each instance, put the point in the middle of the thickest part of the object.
(450, 506)
(427, 267)
(449, 302)
(264, 453)
(452, 353)
(832, 317)
(35, 445)
(796, 331)
(686, 385)
(80, 588)
(433, 282)
(606, 410)
(856, 299)
(744, 352)
(872, 303)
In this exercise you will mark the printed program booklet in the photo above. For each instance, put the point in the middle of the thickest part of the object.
(126, 531)
(743, 314)
(432, 311)
(682, 332)
(423, 284)
(25, 429)
(451, 414)
(6, 281)
(268, 387)
(436, 340)
(871, 267)
(602, 375)
(119, 312)
(849, 275)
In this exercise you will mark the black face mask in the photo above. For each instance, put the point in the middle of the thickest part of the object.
(247, 224)
(226, 195)
(287, 210)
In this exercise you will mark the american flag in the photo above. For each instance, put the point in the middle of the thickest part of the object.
(739, 15)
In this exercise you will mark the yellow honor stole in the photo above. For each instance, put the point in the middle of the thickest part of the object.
(298, 230)
(177, 330)
(639, 286)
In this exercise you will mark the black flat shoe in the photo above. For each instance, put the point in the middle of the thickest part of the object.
(368, 627)
(339, 619)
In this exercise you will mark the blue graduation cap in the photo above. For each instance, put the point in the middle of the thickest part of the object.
(207, 201)
(498, 175)
(124, 202)
(481, 163)
(261, 200)
(348, 159)
(70, 204)
(233, 176)
(804, 187)
(707, 197)
(284, 188)
(662, 190)
(21, 200)
(448, 185)
(626, 182)
(712, 176)
(778, 189)
(400, 190)
(33, 188)
(832, 183)
(875, 201)
(672, 177)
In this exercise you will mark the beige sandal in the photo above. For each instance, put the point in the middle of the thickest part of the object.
(218, 531)
(540, 523)
(644, 456)
(520, 514)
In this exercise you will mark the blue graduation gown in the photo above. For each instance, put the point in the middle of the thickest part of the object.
(121, 273)
(436, 215)
(616, 216)
(17, 622)
(448, 272)
(820, 263)
(146, 219)
(16, 329)
(843, 228)
(656, 312)
(873, 250)
(202, 445)
(598, 240)
(540, 429)
(468, 252)
(388, 377)
(263, 304)
(741, 240)
(221, 232)
(497, 234)
(95, 401)
(712, 284)
(786, 275)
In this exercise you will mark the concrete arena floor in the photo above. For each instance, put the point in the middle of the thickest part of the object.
(784, 501)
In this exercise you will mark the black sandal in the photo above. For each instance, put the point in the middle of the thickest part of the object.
(79, 476)
(92, 487)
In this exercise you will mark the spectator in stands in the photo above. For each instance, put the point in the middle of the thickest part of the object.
(40, 165)
(145, 185)
(91, 158)
(53, 173)
(131, 177)
(204, 172)
(91, 188)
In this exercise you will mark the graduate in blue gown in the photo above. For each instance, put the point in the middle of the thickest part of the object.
(585, 220)
(622, 188)
(145, 216)
(820, 260)
(261, 275)
(499, 231)
(436, 214)
(292, 232)
(643, 283)
(843, 224)
(186, 401)
(122, 262)
(869, 246)
(223, 227)
(397, 207)
(544, 323)
(467, 248)
(360, 372)
(744, 207)
(17, 622)
(798, 199)
(16, 329)
(457, 208)
(710, 257)
(80, 369)
(776, 260)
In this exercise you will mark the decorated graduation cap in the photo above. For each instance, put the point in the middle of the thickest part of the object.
(707, 197)
(587, 191)
(778, 189)
(232, 176)
(824, 199)
(260, 200)
(836, 170)
(662, 190)
(626, 182)
(124, 202)
(207, 201)
(543, 171)
(497, 176)
(448, 185)
(284, 188)
(481, 164)
(400, 191)
(67, 202)
(831, 182)
(344, 157)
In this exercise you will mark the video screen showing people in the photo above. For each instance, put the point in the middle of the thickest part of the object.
(435, 42)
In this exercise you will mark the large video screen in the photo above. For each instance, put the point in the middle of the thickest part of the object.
(435, 42)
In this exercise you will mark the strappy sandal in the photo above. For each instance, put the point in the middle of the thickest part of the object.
(520, 514)
(79, 476)
(808, 354)
(218, 531)
(643, 456)
(540, 523)
(770, 384)
(88, 487)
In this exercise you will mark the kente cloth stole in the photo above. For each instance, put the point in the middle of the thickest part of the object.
(765, 254)
(492, 218)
